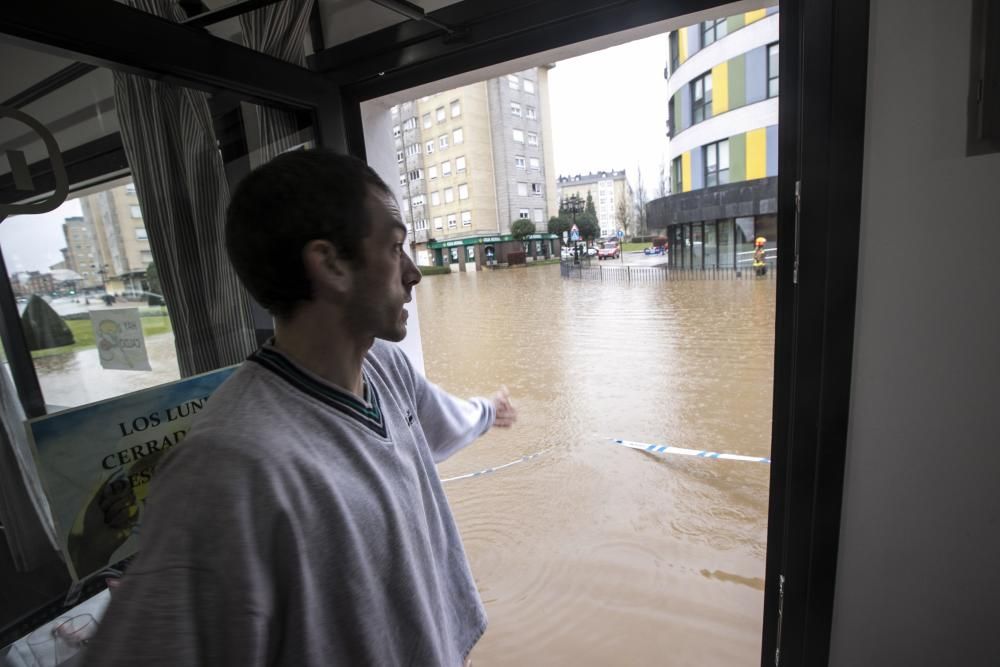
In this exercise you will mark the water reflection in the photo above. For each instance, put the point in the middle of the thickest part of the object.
(595, 554)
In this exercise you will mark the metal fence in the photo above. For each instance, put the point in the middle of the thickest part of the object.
(652, 274)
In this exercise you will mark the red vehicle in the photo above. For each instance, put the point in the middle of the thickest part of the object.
(609, 251)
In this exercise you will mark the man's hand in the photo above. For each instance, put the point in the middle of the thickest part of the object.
(506, 414)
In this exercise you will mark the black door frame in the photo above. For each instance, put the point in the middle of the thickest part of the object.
(821, 143)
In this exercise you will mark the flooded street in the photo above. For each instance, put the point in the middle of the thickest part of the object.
(594, 554)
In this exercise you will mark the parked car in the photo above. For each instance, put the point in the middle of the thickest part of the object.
(655, 250)
(609, 251)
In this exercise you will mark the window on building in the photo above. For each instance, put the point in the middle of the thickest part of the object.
(675, 51)
(402, 180)
(536, 189)
(513, 82)
(417, 201)
(460, 163)
(529, 86)
(772, 70)
(456, 109)
(466, 218)
(130, 189)
(413, 149)
(446, 168)
(717, 163)
(524, 214)
(522, 189)
(432, 172)
(429, 147)
(396, 131)
(399, 156)
(530, 113)
(452, 219)
(519, 136)
(515, 109)
(458, 136)
(701, 98)
(135, 211)
(421, 224)
(532, 139)
(416, 175)
(537, 215)
(436, 198)
(712, 31)
(438, 223)
(439, 114)
(140, 234)
(449, 195)
(463, 191)
(519, 161)
(427, 121)
(534, 163)
(410, 124)
(443, 141)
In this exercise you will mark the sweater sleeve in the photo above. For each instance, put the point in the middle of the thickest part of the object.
(450, 423)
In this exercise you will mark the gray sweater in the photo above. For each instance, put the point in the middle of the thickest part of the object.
(297, 525)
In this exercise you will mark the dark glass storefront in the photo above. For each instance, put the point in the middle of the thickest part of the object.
(723, 244)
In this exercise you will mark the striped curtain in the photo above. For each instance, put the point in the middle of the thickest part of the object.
(178, 173)
(279, 31)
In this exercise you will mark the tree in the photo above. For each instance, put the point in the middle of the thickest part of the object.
(521, 229)
(589, 208)
(559, 224)
(661, 186)
(623, 216)
(153, 278)
(640, 204)
(588, 225)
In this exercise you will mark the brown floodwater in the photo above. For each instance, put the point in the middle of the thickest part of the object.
(595, 554)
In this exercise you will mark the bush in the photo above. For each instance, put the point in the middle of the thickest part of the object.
(434, 270)
(515, 258)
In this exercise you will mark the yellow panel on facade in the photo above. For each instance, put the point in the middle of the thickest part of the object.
(682, 43)
(686, 171)
(756, 154)
(755, 15)
(720, 88)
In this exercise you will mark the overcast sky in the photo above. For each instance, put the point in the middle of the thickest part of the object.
(32, 242)
(609, 111)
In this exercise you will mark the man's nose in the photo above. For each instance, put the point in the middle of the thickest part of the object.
(411, 274)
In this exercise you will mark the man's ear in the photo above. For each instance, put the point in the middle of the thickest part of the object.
(326, 268)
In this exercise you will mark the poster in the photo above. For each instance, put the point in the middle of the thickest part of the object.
(120, 344)
(96, 462)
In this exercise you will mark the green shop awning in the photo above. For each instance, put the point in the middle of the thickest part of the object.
(477, 240)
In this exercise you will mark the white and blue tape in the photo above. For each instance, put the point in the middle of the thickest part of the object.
(486, 471)
(667, 449)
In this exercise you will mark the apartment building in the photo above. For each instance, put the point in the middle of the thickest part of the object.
(471, 161)
(119, 239)
(610, 191)
(722, 82)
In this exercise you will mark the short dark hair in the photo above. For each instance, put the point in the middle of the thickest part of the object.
(279, 207)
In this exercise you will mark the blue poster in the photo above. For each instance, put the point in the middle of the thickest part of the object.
(96, 462)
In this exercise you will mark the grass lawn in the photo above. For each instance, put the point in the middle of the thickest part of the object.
(83, 334)
(629, 247)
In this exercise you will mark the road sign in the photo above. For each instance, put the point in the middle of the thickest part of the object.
(574, 233)
(621, 234)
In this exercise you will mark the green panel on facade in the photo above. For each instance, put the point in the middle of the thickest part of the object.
(738, 82)
(734, 23)
(738, 158)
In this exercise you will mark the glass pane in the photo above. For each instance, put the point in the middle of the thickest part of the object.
(710, 157)
(725, 231)
(744, 242)
(696, 245)
(724, 154)
(711, 246)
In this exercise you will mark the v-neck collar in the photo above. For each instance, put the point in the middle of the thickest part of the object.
(367, 412)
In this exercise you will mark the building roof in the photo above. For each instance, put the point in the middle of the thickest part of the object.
(592, 177)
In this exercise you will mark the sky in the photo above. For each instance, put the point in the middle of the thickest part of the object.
(609, 111)
(32, 242)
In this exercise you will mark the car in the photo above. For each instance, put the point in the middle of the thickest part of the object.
(655, 250)
(609, 251)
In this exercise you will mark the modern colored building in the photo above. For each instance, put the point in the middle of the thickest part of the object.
(722, 82)
(611, 193)
(471, 161)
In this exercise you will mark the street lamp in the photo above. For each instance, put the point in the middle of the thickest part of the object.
(574, 204)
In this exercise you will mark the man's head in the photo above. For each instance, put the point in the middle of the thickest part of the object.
(316, 225)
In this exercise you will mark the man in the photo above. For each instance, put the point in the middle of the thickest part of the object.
(302, 521)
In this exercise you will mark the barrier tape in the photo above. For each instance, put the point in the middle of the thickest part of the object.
(667, 449)
(486, 471)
